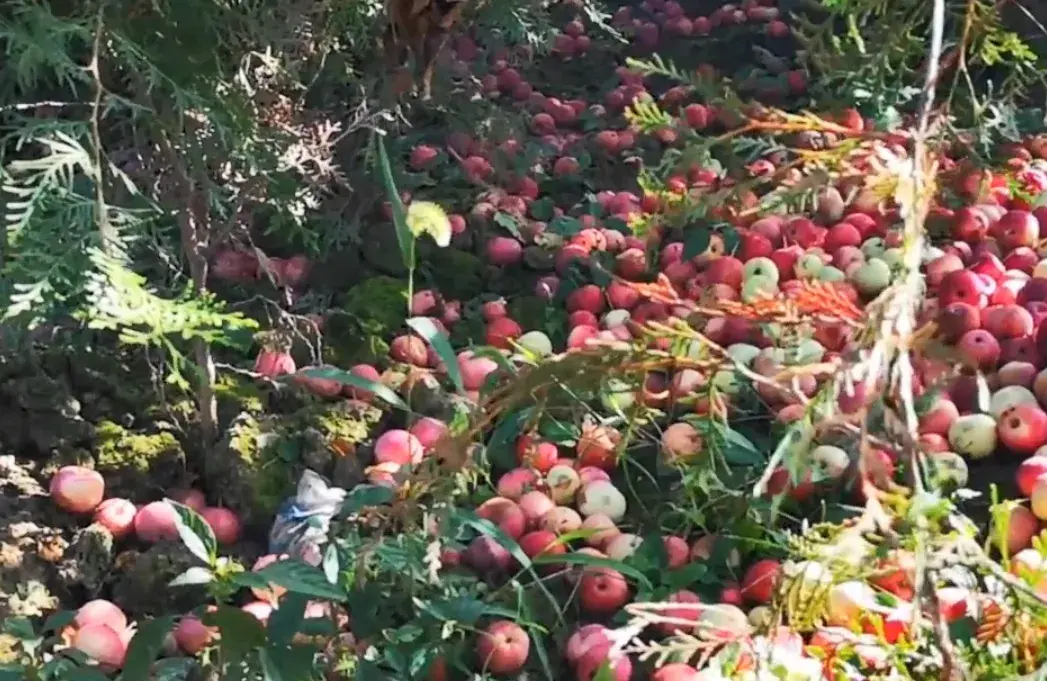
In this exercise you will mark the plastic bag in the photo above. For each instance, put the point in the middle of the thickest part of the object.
(303, 521)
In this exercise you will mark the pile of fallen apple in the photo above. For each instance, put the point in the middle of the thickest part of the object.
(986, 297)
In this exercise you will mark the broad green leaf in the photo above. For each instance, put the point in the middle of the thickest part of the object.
(425, 328)
(146, 645)
(84, 674)
(249, 579)
(346, 378)
(542, 209)
(369, 671)
(362, 496)
(565, 226)
(286, 621)
(193, 575)
(688, 575)
(403, 233)
(696, 240)
(58, 620)
(508, 223)
(301, 578)
(294, 663)
(731, 240)
(501, 447)
(738, 449)
(270, 670)
(195, 533)
(20, 628)
(560, 432)
(331, 563)
(241, 632)
(172, 668)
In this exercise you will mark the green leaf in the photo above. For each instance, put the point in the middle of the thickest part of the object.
(294, 663)
(403, 233)
(301, 578)
(58, 620)
(425, 328)
(732, 239)
(195, 533)
(369, 671)
(146, 645)
(286, 621)
(565, 226)
(559, 432)
(270, 670)
(84, 674)
(20, 628)
(688, 575)
(249, 579)
(494, 532)
(501, 447)
(192, 576)
(738, 449)
(497, 357)
(963, 630)
(172, 668)
(592, 561)
(331, 563)
(346, 378)
(508, 223)
(362, 496)
(241, 632)
(696, 240)
(604, 673)
(465, 609)
(542, 209)
(13, 672)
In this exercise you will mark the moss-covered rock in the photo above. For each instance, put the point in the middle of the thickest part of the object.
(142, 585)
(346, 343)
(238, 394)
(135, 464)
(259, 461)
(457, 275)
(379, 304)
(371, 313)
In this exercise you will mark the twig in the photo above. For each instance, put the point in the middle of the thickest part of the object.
(110, 237)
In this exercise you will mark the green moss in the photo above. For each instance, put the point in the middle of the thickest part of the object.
(117, 448)
(252, 477)
(379, 304)
(239, 393)
(337, 421)
(346, 343)
(136, 462)
(455, 274)
(372, 312)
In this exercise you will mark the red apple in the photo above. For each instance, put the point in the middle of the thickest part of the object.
(503, 647)
(1029, 471)
(602, 591)
(1023, 428)
(504, 513)
(760, 580)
